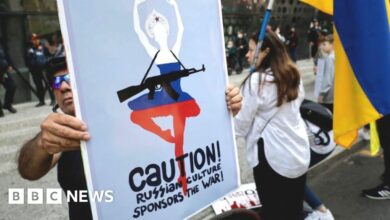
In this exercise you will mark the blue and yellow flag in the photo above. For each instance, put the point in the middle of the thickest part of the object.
(362, 63)
(325, 6)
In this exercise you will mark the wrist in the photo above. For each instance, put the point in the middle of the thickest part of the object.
(41, 150)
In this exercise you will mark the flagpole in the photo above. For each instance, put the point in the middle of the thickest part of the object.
(261, 36)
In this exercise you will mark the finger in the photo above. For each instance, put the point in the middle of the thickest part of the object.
(53, 148)
(235, 107)
(60, 142)
(59, 130)
(68, 144)
(233, 93)
(70, 121)
(229, 88)
(235, 99)
(230, 95)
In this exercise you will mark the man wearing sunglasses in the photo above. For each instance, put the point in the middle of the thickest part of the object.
(58, 142)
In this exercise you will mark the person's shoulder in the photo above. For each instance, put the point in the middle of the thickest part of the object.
(255, 77)
(267, 76)
(330, 57)
(251, 82)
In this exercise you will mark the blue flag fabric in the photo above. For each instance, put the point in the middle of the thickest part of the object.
(363, 28)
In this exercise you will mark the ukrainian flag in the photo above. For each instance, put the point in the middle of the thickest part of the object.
(362, 63)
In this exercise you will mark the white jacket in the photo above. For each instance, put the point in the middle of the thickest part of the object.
(286, 144)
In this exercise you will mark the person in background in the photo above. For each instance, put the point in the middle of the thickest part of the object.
(55, 46)
(231, 56)
(241, 44)
(7, 81)
(36, 62)
(313, 37)
(276, 139)
(325, 96)
(319, 66)
(292, 44)
(310, 36)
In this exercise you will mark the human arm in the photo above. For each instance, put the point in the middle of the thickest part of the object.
(328, 78)
(30, 57)
(141, 35)
(34, 162)
(233, 99)
(294, 42)
(180, 27)
(245, 117)
(59, 132)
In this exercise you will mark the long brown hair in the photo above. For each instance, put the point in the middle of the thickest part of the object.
(286, 75)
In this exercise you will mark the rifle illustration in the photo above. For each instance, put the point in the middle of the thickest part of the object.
(154, 82)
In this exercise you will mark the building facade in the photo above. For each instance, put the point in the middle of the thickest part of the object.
(246, 15)
(20, 18)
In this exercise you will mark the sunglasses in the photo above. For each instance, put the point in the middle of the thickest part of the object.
(57, 81)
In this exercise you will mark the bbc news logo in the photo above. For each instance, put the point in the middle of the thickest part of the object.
(54, 196)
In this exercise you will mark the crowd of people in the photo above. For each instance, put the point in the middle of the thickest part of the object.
(267, 113)
(237, 47)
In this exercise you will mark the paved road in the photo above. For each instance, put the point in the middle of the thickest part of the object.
(15, 129)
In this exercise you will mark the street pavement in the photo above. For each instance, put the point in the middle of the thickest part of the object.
(338, 181)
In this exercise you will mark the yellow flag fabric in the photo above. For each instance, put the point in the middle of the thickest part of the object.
(388, 10)
(374, 139)
(325, 6)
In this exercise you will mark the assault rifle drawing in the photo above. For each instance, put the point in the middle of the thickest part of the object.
(156, 82)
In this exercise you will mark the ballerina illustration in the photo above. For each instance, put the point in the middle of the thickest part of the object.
(169, 99)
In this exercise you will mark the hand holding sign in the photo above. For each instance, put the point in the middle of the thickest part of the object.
(62, 132)
(233, 99)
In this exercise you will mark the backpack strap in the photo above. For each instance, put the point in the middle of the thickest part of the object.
(154, 59)
(269, 120)
(150, 66)
(177, 60)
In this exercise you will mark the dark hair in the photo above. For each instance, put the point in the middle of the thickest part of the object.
(54, 65)
(286, 75)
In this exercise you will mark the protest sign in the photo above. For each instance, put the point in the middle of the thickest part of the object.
(149, 78)
(245, 197)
